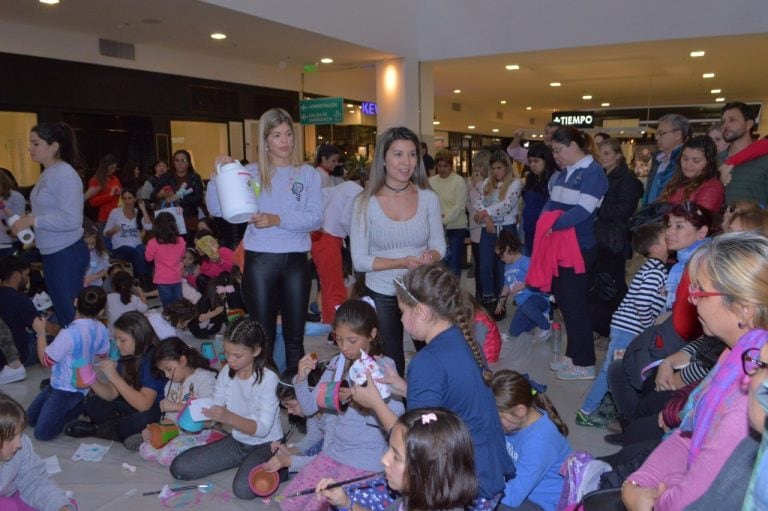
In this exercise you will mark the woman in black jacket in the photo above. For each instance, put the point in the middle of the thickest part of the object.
(612, 232)
(183, 187)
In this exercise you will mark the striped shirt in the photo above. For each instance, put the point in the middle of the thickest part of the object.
(645, 299)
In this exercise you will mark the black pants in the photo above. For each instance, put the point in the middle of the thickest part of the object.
(630, 402)
(279, 283)
(390, 327)
(570, 290)
(129, 420)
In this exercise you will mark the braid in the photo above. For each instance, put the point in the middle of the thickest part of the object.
(462, 321)
(541, 401)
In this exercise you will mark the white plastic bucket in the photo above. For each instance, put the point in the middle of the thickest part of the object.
(237, 189)
(26, 236)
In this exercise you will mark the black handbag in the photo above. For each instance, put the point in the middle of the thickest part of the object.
(656, 342)
(653, 213)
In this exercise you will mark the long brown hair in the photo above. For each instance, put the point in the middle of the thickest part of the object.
(437, 288)
(704, 144)
(511, 389)
(490, 184)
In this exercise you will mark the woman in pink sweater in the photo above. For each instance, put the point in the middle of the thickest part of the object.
(729, 289)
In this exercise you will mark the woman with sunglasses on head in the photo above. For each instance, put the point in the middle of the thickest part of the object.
(181, 186)
(729, 286)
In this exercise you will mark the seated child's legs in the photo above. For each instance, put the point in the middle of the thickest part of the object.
(320, 467)
(257, 455)
(620, 339)
(531, 313)
(185, 441)
(52, 409)
(14, 503)
(205, 460)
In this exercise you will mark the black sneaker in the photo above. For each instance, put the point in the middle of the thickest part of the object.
(80, 429)
(615, 439)
(133, 442)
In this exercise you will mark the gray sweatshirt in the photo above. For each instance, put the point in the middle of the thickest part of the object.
(57, 203)
(25, 473)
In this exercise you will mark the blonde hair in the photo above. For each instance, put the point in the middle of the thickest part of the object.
(737, 265)
(490, 185)
(270, 120)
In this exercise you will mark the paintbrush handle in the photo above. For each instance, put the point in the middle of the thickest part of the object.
(180, 488)
(310, 491)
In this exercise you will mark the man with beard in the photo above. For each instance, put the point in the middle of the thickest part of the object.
(749, 179)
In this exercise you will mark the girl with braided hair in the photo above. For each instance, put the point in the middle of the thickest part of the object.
(449, 372)
(535, 436)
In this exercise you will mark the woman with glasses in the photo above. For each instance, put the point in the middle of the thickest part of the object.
(729, 286)
(695, 178)
(181, 186)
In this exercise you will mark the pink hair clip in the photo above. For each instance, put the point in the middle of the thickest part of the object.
(428, 417)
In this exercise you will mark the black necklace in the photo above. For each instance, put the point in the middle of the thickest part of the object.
(397, 190)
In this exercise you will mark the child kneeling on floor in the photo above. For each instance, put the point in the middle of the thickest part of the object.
(24, 482)
(532, 306)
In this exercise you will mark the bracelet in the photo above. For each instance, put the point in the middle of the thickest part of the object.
(629, 482)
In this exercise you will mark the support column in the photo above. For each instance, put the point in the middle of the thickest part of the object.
(405, 96)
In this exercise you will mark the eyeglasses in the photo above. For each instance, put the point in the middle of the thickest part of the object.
(660, 134)
(399, 283)
(751, 363)
(695, 292)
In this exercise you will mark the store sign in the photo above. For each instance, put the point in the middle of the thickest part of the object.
(575, 119)
(369, 108)
(321, 111)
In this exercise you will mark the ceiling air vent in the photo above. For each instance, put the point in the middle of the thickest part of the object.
(117, 49)
(456, 107)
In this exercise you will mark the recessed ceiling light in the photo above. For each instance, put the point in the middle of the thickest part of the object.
(511, 67)
(471, 127)
(698, 53)
(457, 91)
(350, 105)
(49, 2)
(586, 96)
(495, 130)
(708, 75)
(503, 101)
(326, 60)
(555, 84)
(529, 108)
(715, 91)
(218, 36)
(621, 133)
(435, 122)
(719, 100)
(351, 111)
(605, 104)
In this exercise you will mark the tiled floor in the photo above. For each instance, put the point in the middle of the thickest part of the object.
(106, 485)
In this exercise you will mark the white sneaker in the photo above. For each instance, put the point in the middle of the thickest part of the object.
(542, 336)
(9, 375)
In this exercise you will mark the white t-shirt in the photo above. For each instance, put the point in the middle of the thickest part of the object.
(116, 307)
(254, 401)
(129, 234)
(202, 382)
(78, 344)
(162, 327)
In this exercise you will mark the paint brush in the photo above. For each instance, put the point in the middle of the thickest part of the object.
(202, 487)
(173, 373)
(310, 491)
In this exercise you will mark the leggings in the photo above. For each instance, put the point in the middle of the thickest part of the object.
(279, 283)
(227, 453)
(390, 328)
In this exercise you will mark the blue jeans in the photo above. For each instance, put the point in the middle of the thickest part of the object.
(491, 267)
(620, 339)
(52, 409)
(64, 271)
(169, 293)
(530, 314)
(135, 256)
(455, 247)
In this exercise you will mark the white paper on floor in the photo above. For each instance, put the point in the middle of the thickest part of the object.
(91, 452)
(52, 465)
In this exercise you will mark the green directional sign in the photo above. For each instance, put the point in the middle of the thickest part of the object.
(321, 111)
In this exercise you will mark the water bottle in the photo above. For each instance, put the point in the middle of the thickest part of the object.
(556, 341)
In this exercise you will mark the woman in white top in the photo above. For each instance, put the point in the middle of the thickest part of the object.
(396, 226)
(481, 162)
(124, 227)
(276, 274)
(497, 210)
(11, 203)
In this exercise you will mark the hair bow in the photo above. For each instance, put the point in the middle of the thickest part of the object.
(220, 290)
(369, 301)
(428, 417)
(537, 388)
